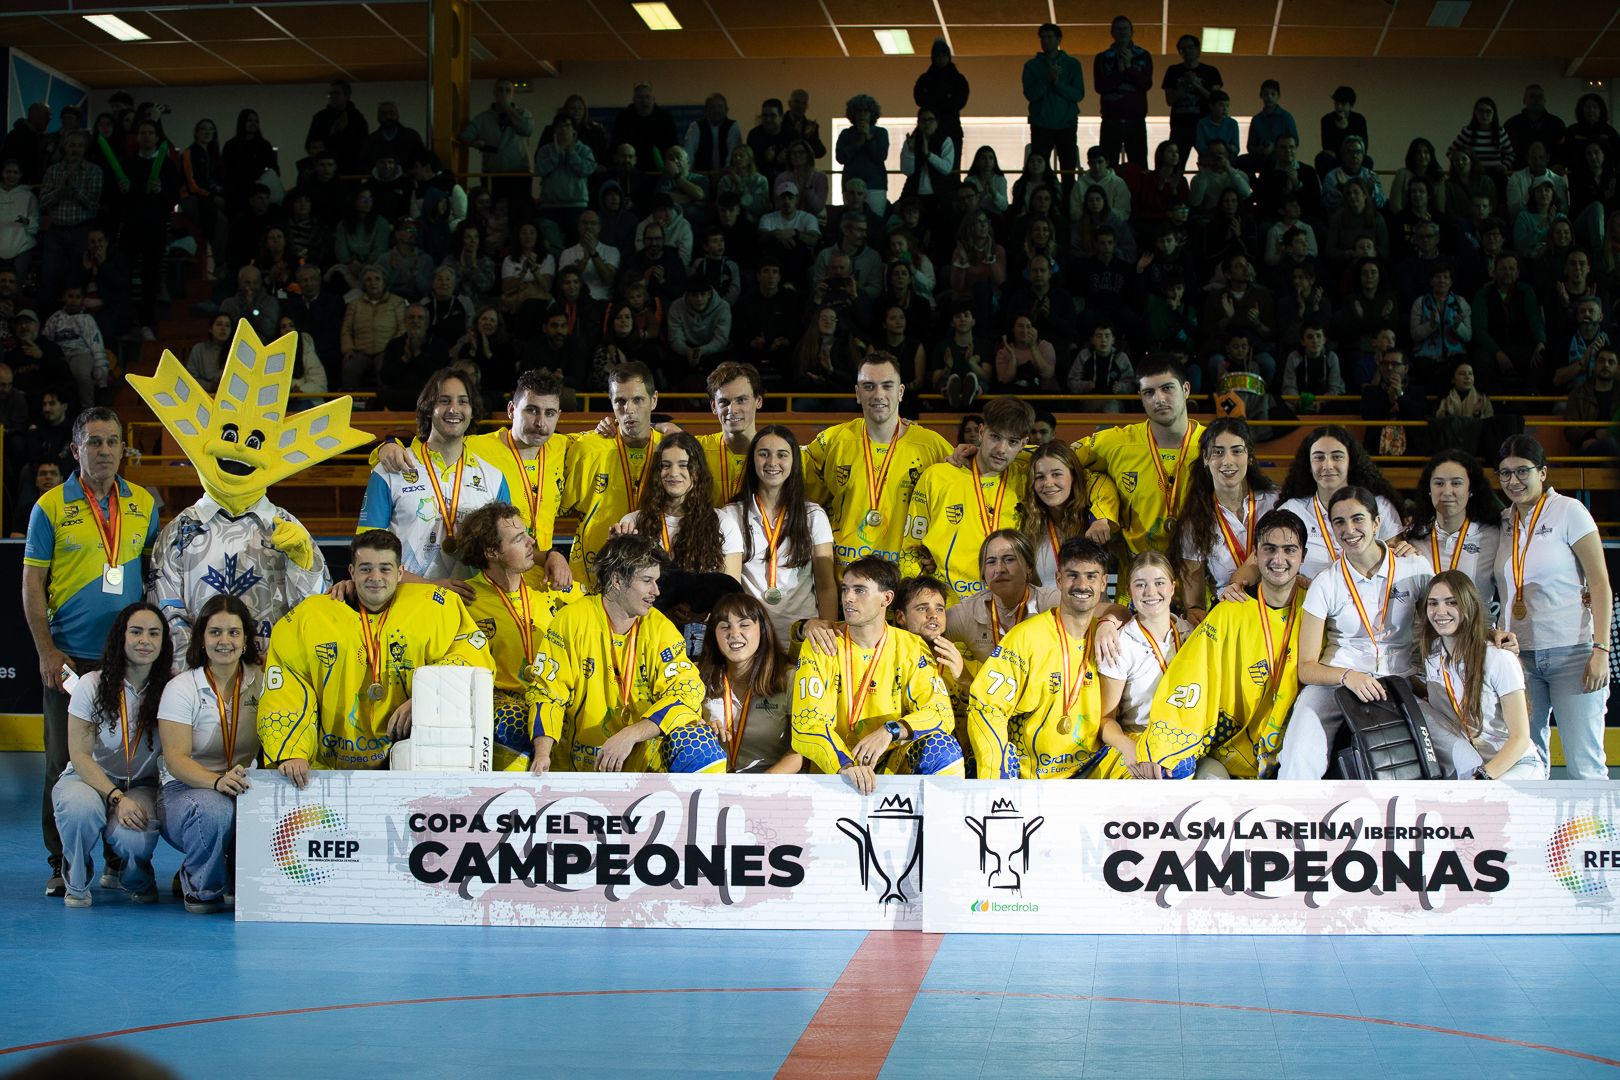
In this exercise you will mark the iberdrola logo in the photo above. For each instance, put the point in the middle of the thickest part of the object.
(979, 905)
(1565, 839)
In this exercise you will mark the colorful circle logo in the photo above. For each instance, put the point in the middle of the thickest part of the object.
(285, 842)
(1564, 841)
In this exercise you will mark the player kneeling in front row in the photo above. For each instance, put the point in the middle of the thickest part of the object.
(1035, 710)
(877, 703)
(1227, 694)
(337, 680)
(513, 617)
(612, 681)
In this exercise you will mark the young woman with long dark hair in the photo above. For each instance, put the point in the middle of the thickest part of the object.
(677, 511)
(1456, 520)
(745, 682)
(1213, 540)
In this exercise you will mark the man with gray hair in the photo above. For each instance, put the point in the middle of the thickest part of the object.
(393, 139)
(253, 303)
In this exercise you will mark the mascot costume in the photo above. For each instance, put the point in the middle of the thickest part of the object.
(234, 540)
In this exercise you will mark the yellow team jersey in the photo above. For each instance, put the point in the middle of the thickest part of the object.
(836, 476)
(903, 684)
(726, 468)
(496, 614)
(1127, 454)
(534, 483)
(590, 683)
(315, 705)
(1222, 696)
(601, 483)
(953, 509)
(1035, 710)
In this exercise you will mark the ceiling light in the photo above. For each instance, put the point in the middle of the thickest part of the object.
(894, 42)
(1448, 14)
(117, 27)
(1218, 39)
(657, 16)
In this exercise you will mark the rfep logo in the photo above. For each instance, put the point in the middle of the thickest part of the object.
(1578, 852)
(307, 842)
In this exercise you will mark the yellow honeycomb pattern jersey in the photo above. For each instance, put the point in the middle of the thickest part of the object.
(534, 484)
(590, 683)
(726, 468)
(1126, 455)
(950, 522)
(904, 685)
(514, 666)
(1018, 721)
(1219, 698)
(315, 704)
(597, 488)
(835, 475)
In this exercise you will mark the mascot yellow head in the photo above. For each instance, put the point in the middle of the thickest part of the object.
(243, 441)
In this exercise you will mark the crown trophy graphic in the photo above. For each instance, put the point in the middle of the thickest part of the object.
(1004, 836)
(890, 845)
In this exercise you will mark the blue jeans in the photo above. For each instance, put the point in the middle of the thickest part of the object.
(82, 819)
(1554, 686)
(202, 825)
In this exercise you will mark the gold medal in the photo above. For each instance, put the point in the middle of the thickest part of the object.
(375, 691)
(1520, 608)
(874, 518)
(773, 596)
(1065, 726)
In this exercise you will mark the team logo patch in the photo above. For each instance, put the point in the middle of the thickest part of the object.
(411, 476)
(1260, 672)
(995, 652)
(1128, 482)
(667, 655)
(589, 666)
(478, 481)
(953, 514)
(487, 626)
(1054, 681)
(71, 515)
(396, 651)
(327, 653)
(842, 472)
(600, 484)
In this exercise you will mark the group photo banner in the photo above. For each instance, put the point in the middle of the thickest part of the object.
(1272, 857)
(580, 849)
(1185, 857)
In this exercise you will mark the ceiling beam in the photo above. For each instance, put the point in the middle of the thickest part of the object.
(614, 30)
(1500, 19)
(944, 31)
(197, 44)
(822, 4)
(326, 59)
(1276, 20)
(1164, 30)
(724, 29)
(1591, 43)
(67, 28)
(1384, 33)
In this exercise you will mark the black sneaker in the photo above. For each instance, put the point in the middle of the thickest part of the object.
(204, 907)
(56, 885)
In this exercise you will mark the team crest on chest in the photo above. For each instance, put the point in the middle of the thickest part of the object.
(487, 626)
(600, 483)
(842, 472)
(1260, 672)
(1128, 482)
(953, 514)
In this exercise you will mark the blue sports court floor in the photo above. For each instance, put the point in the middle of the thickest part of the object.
(213, 999)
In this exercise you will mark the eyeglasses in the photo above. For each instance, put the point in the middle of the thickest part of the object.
(1522, 473)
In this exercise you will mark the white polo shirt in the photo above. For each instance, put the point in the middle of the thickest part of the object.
(1320, 549)
(797, 583)
(1345, 642)
(1219, 566)
(190, 700)
(1138, 668)
(1554, 585)
(1478, 558)
(969, 620)
(1503, 675)
(108, 749)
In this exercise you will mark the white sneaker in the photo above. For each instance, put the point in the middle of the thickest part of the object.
(76, 901)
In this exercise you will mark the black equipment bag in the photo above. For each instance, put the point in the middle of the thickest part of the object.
(1384, 740)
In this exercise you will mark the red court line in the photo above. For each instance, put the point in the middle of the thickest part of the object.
(307, 1010)
(1481, 1036)
(850, 1036)
(862, 1015)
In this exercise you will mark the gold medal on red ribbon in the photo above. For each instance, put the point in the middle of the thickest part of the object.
(1520, 555)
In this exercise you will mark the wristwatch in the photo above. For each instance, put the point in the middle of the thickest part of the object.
(1481, 774)
(896, 729)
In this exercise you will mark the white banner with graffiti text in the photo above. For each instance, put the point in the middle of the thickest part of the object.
(573, 849)
(1211, 857)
